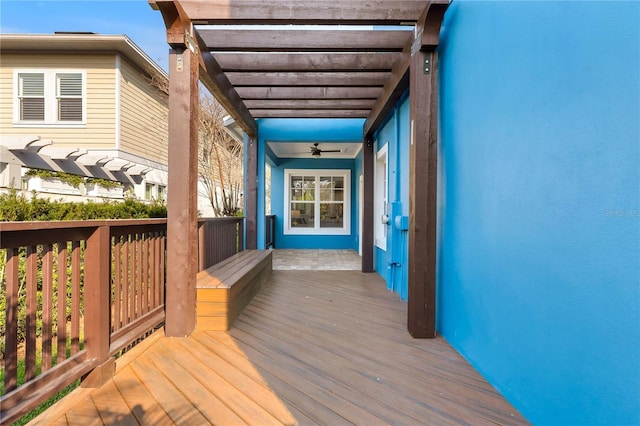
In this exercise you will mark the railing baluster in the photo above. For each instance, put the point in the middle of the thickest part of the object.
(47, 305)
(75, 297)
(116, 320)
(62, 302)
(32, 311)
(52, 269)
(11, 336)
(145, 273)
(126, 289)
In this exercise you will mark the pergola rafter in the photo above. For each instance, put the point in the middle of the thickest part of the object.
(320, 68)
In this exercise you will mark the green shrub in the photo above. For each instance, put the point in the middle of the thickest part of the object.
(16, 207)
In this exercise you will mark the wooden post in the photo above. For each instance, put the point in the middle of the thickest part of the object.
(251, 193)
(182, 223)
(97, 302)
(367, 214)
(422, 193)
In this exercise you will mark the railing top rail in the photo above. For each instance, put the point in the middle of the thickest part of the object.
(66, 224)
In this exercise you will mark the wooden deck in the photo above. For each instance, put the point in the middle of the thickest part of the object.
(321, 347)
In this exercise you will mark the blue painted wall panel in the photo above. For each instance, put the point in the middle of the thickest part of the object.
(312, 130)
(539, 262)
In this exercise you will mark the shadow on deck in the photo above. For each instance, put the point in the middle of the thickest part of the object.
(322, 347)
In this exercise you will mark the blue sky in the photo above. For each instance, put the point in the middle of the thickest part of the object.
(135, 18)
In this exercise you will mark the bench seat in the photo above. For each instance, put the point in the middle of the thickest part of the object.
(226, 288)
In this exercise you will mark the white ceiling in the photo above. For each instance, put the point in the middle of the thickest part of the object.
(302, 149)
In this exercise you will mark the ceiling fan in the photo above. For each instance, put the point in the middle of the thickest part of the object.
(316, 152)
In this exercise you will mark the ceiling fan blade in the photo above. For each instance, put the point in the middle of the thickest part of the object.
(330, 150)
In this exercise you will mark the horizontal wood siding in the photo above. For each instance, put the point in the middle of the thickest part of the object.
(99, 132)
(144, 127)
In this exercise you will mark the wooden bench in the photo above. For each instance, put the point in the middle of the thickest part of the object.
(224, 289)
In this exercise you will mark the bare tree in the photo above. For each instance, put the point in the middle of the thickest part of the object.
(220, 160)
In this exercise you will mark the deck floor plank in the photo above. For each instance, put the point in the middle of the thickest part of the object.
(316, 347)
(316, 353)
(144, 406)
(112, 407)
(210, 407)
(250, 402)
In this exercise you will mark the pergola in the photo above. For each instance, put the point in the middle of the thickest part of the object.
(306, 69)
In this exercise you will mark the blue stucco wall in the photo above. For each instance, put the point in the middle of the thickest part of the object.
(305, 131)
(392, 261)
(539, 256)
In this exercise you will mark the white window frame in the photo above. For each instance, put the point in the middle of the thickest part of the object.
(316, 230)
(380, 196)
(50, 99)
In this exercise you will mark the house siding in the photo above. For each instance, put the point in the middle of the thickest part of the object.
(538, 270)
(145, 134)
(99, 131)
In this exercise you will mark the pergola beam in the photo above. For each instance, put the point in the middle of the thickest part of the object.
(307, 78)
(311, 113)
(306, 104)
(360, 12)
(307, 61)
(309, 92)
(217, 82)
(428, 31)
(304, 40)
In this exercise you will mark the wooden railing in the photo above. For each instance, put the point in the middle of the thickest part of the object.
(218, 239)
(270, 231)
(75, 294)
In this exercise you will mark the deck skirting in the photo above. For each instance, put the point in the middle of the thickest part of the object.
(225, 289)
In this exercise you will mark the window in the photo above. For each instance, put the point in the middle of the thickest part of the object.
(49, 98)
(31, 96)
(162, 193)
(69, 96)
(317, 202)
(148, 191)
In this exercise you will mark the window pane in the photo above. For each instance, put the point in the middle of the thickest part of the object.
(326, 188)
(302, 215)
(331, 215)
(69, 84)
(302, 188)
(70, 109)
(31, 84)
(32, 109)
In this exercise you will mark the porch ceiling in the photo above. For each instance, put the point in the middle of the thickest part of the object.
(302, 58)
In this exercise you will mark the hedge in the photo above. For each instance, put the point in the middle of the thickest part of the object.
(16, 207)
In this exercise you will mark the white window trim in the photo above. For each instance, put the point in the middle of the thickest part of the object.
(50, 99)
(346, 223)
(380, 197)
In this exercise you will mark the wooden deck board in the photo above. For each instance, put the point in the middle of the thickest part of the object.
(328, 347)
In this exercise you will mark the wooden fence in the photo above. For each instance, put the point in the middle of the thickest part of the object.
(78, 292)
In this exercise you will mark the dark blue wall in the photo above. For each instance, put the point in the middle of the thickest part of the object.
(539, 248)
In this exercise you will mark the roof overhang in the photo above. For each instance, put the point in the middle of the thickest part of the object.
(79, 42)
